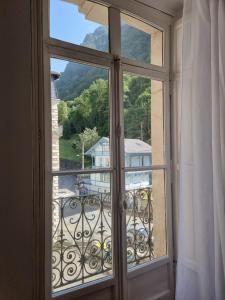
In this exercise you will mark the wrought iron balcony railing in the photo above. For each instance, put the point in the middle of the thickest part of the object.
(82, 238)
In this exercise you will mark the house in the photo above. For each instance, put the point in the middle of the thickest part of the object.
(137, 154)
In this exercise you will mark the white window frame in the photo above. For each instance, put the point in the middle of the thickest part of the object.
(176, 86)
(66, 50)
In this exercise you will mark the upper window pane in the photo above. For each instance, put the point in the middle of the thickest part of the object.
(80, 116)
(143, 121)
(140, 41)
(80, 22)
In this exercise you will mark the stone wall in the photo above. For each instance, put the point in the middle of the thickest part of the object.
(55, 155)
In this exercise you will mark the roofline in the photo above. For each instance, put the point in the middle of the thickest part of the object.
(89, 151)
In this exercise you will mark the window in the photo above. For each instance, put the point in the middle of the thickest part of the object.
(146, 45)
(108, 118)
(80, 252)
(67, 18)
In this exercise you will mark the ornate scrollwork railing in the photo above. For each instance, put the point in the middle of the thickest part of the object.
(82, 243)
(81, 239)
(139, 215)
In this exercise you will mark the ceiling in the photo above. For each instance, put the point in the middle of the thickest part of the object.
(171, 7)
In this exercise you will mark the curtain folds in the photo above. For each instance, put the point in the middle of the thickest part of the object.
(201, 241)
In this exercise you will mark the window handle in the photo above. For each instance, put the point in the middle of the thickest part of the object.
(123, 204)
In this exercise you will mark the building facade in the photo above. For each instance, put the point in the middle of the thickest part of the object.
(137, 154)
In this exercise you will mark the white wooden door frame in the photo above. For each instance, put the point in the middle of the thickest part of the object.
(43, 48)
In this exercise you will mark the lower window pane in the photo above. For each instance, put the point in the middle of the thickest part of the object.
(145, 216)
(81, 229)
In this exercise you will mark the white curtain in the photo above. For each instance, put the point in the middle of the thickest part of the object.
(201, 241)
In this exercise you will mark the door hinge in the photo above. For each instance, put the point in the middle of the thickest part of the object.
(39, 136)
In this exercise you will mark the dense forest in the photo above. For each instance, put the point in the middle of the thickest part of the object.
(84, 91)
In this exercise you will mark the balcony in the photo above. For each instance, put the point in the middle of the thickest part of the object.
(82, 240)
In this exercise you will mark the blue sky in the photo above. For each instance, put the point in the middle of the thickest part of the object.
(67, 24)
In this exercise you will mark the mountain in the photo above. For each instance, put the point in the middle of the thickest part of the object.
(97, 40)
(78, 77)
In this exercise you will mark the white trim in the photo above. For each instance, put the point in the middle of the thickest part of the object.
(72, 52)
(175, 124)
(147, 13)
(149, 73)
(87, 288)
(114, 31)
(158, 262)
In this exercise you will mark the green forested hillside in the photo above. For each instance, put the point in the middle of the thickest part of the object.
(84, 94)
(91, 109)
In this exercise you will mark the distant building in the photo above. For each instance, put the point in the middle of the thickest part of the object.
(137, 154)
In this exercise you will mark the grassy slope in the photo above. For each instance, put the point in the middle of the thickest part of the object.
(66, 151)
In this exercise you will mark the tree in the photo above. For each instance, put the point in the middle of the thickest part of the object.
(66, 129)
(91, 109)
(63, 111)
(99, 106)
(137, 107)
(86, 139)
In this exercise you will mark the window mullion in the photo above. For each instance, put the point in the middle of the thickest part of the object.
(114, 31)
(65, 50)
(145, 72)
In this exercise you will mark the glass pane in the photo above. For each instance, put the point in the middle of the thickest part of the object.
(83, 23)
(145, 216)
(143, 121)
(81, 230)
(140, 41)
(80, 116)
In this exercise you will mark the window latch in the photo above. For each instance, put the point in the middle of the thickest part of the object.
(123, 204)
